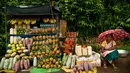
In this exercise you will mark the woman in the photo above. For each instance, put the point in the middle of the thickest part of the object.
(109, 51)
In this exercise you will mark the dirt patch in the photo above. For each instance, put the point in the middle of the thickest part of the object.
(123, 65)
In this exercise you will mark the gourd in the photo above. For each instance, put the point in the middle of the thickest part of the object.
(68, 64)
(73, 61)
(14, 60)
(10, 64)
(90, 66)
(6, 63)
(74, 70)
(21, 64)
(35, 61)
(28, 62)
(25, 64)
(2, 63)
(65, 61)
(85, 66)
(64, 57)
(17, 66)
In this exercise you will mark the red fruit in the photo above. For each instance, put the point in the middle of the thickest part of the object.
(84, 46)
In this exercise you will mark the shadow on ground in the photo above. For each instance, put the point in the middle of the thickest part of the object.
(123, 65)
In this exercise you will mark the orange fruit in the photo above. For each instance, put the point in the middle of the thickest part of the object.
(51, 59)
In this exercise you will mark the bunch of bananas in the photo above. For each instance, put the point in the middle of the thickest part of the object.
(25, 21)
(52, 20)
(13, 21)
(33, 21)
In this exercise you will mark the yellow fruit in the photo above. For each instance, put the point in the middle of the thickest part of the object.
(35, 53)
(19, 22)
(57, 63)
(47, 51)
(59, 66)
(17, 56)
(43, 66)
(39, 66)
(9, 51)
(39, 53)
(52, 66)
(55, 49)
(47, 60)
(54, 60)
(14, 50)
(51, 59)
(46, 20)
(33, 22)
(43, 53)
(13, 21)
(58, 51)
(47, 66)
(41, 62)
(31, 53)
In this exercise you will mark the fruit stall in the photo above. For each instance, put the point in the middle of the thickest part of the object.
(79, 58)
(33, 39)
(35, 44)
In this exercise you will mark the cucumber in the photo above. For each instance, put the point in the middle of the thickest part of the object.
(10, 64)
(2, 63)
(6, 64)
(35, 61)
(64, 63)
(14, 60)
(64, 57)
(73, 61)
(68, 64)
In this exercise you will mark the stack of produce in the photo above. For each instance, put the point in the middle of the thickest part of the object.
(69, 45)
(69, 60)
(85, 66)
(44, 30)
(47, 51)
(45, 46)
(22, 25)
(17, 52)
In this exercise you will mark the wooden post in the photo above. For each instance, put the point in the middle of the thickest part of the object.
(52, 3)
(63, 26)
(58, 23)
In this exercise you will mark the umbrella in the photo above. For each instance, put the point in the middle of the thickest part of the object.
(118, 34)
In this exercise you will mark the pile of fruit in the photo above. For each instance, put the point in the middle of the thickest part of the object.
(69, 45)
(85, 66)
(44, 30)
(20, 31)
(46, 48)
(49, 63)
(16, 57)
(44, 37)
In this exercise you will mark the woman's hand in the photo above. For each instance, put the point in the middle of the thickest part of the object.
(112, 48)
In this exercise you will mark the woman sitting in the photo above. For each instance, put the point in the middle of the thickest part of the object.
(109, 51)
